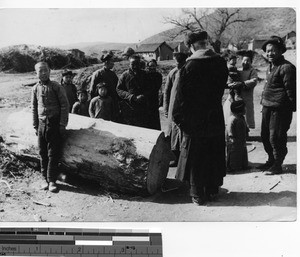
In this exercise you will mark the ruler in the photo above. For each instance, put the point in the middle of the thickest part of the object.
(79, 242)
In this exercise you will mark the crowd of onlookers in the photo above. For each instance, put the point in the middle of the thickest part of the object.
(200, 127)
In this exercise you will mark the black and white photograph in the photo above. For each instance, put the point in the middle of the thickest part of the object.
(148, 114)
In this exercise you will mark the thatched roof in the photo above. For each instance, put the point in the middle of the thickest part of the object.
(148, 48)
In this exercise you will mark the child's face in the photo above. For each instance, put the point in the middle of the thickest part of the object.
(102, 91)
(67, 79)
(43, 72)
(232, 62)
(82, 97)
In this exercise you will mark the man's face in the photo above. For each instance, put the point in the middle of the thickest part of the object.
(43, 72)
(134, 65)
(109, 64)
(246, 62)
(273, 52)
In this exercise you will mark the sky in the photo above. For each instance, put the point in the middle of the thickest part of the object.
(60, 26)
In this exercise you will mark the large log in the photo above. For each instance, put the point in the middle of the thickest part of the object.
(120, 157)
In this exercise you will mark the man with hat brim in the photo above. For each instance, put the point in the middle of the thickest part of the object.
(70, 88)
(134, 90)
(170, 92)
(198, 112)
(105, 74)
(279, 103)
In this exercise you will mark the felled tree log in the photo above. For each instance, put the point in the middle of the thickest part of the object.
(120, 157)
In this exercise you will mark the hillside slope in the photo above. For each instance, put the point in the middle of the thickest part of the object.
(267, 21)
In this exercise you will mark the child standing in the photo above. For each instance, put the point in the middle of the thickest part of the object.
(233, 76)
(81, 107)
(101, 106)
(237, 156)
(71, 90)
(50, 109)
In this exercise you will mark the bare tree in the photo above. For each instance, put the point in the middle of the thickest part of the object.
(214, 21)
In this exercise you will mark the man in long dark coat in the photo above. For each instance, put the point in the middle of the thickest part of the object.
(198, 112)
(133, 90)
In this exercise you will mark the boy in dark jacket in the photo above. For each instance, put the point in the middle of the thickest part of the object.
(237, 156)
(101, 106)
(50, 109)
(81, 107)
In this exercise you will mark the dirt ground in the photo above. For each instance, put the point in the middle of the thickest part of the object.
(244, 196)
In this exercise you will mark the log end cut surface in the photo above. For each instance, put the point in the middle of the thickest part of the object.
(158, 164)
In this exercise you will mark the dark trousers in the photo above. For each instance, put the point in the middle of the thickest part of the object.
(274, 126)
(49, 149)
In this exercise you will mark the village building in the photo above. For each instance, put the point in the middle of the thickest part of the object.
(178, 46)
(256, 43)
(158, 51)
(290, 40)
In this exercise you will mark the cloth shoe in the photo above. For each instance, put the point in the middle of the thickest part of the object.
(274, 170)
(265, 166)
(44, 185)
(53, 187)
(199, 200)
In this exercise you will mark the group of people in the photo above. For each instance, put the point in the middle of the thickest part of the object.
(200, 127)
(131, 99)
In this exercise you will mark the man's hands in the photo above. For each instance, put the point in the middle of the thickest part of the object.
(139, 98)
(237, 85)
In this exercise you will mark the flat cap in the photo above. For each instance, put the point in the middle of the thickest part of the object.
(106, 57)
(193, 37)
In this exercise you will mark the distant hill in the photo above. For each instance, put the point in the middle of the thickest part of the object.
(92, 48)
(267, 22)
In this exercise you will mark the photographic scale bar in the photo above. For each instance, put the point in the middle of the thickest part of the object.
(80, 242)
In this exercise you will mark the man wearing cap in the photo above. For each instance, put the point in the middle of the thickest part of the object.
(170, 92)
(198, 112)
(134, 91)
(279, 103)
(109, 77)
(70, 88)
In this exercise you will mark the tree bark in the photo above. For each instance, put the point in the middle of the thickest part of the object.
(121, 158)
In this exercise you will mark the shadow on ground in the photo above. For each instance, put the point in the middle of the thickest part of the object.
(258, 139)
(226, 198)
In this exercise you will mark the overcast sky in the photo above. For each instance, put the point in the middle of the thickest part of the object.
(60, 26)
(64, 26)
